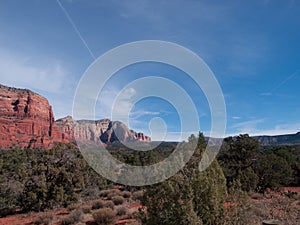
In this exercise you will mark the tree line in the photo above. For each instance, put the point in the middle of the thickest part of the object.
(36, 180)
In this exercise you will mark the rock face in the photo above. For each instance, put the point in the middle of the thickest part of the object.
(27, 121)
(287, 139)
(103, 130)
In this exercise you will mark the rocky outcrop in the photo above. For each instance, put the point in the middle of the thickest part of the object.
(287, 139)
(104, 131)
(27, 121)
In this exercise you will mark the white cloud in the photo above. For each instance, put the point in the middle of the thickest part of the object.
(246, 125)
(140, 112)
(19, 70)
(43, 75)
(121, 104)
(107, 102)
(250, 127)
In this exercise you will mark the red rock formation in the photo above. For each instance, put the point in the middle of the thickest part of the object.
(26, 120)
(103, 130)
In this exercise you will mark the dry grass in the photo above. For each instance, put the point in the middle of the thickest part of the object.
(274, 206)
(251, 211)
(279, 207)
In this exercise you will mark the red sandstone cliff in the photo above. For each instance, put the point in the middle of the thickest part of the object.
(27, 121)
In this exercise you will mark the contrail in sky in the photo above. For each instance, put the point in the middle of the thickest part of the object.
(75, 28)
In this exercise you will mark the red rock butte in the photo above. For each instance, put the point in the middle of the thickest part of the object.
(27, 121)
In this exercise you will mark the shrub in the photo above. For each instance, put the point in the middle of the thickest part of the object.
(137, 195)
(67, 221)
(274, 171)
(135, 223)
(256, 196)
(73, 206)
(72, 218)
(118, 200)
(86, 209)
(76, 214)
(121, 211)
(98, 204)
(29, 187)
(126, 194)
(109, 204)
(6, 210)
(104, 216)
(104, 193)
(81, 223)
(45, 219)
(240, 211)
(113, 194)
(291, 194)
(166, 206)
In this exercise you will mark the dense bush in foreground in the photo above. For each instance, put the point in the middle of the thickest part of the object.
(257, 167)
(34, 180)
(190, 196)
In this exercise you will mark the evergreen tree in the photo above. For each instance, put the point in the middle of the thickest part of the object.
(170, 203)
(273, 171)
(190, 196)
(237, 157)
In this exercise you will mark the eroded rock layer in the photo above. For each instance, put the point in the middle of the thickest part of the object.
(27, 121)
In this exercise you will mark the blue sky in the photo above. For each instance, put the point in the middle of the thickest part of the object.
(252, 47)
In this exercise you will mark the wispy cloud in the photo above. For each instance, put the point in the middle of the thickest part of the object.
(139, 113)
(246, 126)
(110, 103)
(251, 128)
(116, 106)
(20, 70)
(279, 85)
(142, 8)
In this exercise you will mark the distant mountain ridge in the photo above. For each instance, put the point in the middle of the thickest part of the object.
(284, 139)
(269, 140)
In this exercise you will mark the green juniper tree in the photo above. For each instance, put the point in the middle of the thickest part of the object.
(237, 157)
(190, 196)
